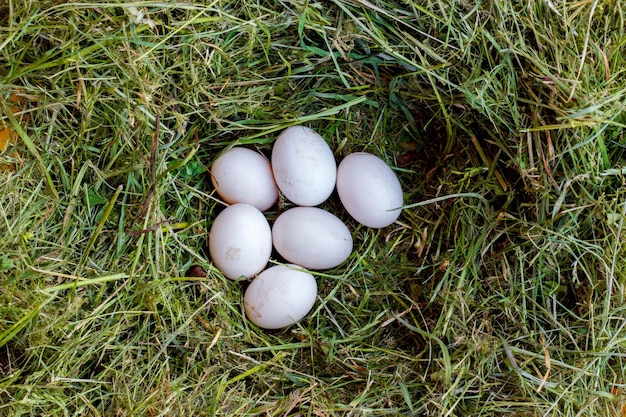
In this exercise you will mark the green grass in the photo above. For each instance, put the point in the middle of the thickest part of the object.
(500, 290)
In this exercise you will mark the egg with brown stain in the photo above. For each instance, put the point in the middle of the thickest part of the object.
(240, 241)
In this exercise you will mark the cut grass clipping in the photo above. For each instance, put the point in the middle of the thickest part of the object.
(499, 291)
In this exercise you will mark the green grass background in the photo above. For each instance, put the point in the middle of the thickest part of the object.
(500, 290)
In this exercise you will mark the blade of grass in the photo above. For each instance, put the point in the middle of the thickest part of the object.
(96, 233)
(32, 149)
(16, 327)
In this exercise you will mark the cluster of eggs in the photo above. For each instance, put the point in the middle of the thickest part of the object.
(304, 170)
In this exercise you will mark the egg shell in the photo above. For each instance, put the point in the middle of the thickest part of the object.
(280, 296)
(304, 166)
(240, 241)
(311, 237)
(241, 175)
(369, 190)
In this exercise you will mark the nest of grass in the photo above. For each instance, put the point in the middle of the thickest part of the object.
(500, 290)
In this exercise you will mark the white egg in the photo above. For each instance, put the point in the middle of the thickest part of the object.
(241, 175)
(311, 237)
(240, 241)
(369, 190)
(304, 166)
(280, 296)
